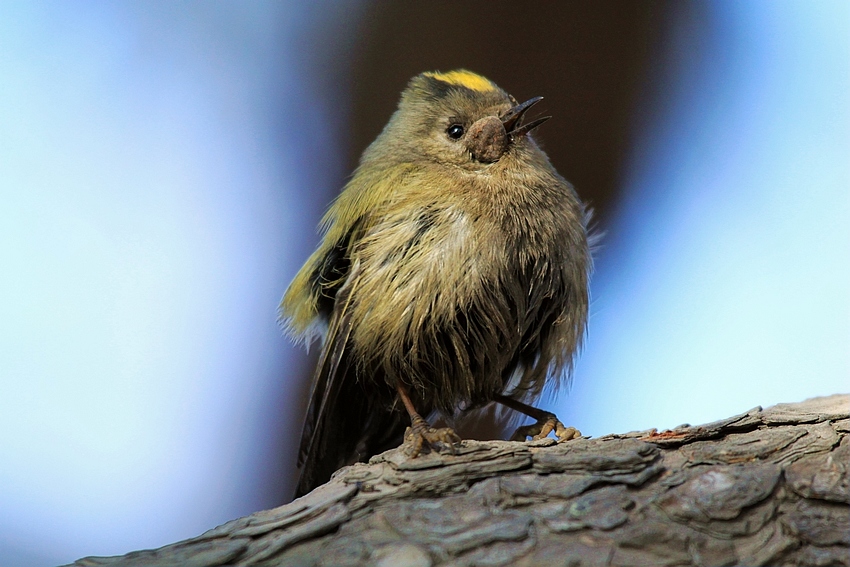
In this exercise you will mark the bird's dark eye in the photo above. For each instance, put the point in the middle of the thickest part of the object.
(454, 131)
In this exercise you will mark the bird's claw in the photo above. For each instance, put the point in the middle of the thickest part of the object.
(421, 437)
(544, 427)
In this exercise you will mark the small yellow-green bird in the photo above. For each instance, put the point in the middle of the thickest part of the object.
(453, 272)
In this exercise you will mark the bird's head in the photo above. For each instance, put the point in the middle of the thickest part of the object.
(458, 119)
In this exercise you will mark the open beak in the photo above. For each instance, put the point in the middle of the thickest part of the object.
(512, 119)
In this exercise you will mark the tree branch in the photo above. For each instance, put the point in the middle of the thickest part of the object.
(765, 487)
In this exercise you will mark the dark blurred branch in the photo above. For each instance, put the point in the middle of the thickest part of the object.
(765, 487)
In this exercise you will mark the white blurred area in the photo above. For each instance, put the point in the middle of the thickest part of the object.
(159, 164)
(152, 158)
(724, 282)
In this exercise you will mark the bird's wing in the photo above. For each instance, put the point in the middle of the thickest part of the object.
(331, 369)
(346, 420)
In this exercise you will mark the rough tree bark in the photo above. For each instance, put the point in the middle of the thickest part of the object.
(768, 487)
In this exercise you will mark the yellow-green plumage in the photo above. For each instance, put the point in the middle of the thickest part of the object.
(456, 268)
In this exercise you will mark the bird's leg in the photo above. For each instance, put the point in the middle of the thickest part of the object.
(420, 435)
(547, 422)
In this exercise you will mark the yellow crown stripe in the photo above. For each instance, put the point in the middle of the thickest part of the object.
(466, 79)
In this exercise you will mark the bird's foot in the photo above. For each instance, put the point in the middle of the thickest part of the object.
(421, 437)
(543, 427)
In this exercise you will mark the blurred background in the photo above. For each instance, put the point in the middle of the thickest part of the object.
(163, 166)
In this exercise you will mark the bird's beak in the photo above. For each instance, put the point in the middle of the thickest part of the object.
(512, 119)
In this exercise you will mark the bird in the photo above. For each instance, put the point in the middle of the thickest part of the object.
(452, 272)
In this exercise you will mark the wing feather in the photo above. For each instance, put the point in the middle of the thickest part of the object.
(320, 438)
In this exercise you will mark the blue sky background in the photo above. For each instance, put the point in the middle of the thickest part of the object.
(161, 164)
